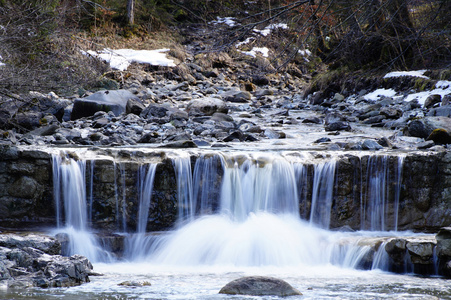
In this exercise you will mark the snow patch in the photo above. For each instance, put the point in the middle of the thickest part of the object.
(246, 41)
(305, 52)
(377, 94)
(262, 50)
(1, 63)
(442, 88)
(271, 27)
(226, 20)
(120, 59)
(418, 73)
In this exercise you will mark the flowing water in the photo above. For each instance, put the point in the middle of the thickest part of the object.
(254, 229)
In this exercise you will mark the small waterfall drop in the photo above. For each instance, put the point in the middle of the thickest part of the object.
(380, 197)
(207, 177)
(69, 181)
(259, 185)
(398, 189)
(381, 258)
(322, 194)
(184, 177)
(137, 245)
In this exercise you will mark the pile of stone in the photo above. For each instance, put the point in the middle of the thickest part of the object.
(214, 112)
(35, 260)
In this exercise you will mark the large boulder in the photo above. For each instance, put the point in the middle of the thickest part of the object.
(113, 100)
(206, 106)
(237, 96)
(259, 286)
(422, 128)
(336, 122)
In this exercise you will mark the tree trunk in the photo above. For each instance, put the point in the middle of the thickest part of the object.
(131, 12)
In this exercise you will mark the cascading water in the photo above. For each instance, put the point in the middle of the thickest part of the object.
(186, 207)
(258, 223)
(136, 245)
(323, 185)
(240, 209)
(376, 199)
(238, 214)
(207, 175)
(259, 186)
(69, 181)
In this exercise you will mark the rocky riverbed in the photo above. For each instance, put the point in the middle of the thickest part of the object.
(216, 102)
(217, 112)
(230, 99)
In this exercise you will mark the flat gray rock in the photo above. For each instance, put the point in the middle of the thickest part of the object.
(112, 100)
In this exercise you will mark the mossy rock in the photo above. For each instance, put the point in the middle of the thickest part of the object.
(440, 136)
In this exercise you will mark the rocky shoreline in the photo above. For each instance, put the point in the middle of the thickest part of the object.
(35, 260)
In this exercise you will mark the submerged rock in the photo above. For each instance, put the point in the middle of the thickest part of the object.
(135, 283)
(259, 286)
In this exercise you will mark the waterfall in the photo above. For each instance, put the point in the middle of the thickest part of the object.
(184, 178)
(121, 203)
(234, 209)
(375, 207)
(257, 222)
(398, 189)
(146, 181)
(322, 194)
(138, 244)
(381, 259)
(260, 185)
(69, 181)
(208, 171)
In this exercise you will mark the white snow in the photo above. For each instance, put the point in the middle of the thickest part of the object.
(1, 63)
(442, 88)
(305, 52)
(380, 93)
(418, 73)
(226, 20)
(271, 27)
(262, 50)
(246, 41)
(120, 59)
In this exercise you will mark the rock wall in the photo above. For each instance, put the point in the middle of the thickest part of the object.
(26, 196)
(424, 191)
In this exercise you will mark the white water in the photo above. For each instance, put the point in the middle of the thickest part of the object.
(185, 193)
(137, 245)
(70, 178)
(323, 184)
(375, 201)
(254, 229)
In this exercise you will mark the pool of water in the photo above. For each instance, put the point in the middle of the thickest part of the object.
(167, 282)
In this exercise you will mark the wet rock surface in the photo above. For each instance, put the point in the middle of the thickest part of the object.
(34, 261)
(259, 286)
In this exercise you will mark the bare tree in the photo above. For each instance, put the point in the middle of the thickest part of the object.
(131, 12)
